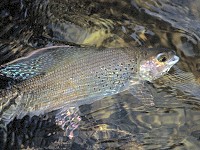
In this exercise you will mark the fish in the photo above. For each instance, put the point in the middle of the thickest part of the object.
(60, 77)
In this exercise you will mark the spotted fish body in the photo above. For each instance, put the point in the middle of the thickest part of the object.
(57, 77)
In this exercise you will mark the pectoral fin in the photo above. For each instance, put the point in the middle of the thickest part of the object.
(143, 93)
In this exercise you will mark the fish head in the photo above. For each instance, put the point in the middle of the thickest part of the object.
(156, 64)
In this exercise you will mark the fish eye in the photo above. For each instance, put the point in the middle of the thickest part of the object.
(162, 57)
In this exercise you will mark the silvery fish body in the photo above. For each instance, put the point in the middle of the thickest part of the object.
(62, 76)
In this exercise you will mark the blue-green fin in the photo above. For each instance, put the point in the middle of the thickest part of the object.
(35, 63)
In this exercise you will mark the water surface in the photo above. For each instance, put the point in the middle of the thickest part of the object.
(121, 121)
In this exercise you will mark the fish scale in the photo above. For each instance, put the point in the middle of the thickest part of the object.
(63, 76)
(79, 75)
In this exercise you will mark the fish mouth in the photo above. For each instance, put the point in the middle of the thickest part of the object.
(170, 63)
(173, 60)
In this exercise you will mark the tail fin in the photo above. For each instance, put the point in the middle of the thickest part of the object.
(9, 105)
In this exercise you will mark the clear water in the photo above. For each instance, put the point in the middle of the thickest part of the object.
(118, 122)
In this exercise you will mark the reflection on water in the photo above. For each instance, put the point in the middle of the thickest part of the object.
(120, 121)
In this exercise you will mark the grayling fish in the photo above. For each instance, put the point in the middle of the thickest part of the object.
(62, 77)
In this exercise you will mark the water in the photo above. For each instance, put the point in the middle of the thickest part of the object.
(118, 122)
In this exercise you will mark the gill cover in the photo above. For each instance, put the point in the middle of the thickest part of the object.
(157, 65)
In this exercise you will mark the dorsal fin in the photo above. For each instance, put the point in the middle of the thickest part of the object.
(35, 63)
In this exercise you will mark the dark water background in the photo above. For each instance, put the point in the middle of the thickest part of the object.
(117, 122)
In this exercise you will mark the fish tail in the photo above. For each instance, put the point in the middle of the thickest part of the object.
(3, 135)
(9, 105)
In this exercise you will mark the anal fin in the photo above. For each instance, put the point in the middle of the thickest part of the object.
(68, 119)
